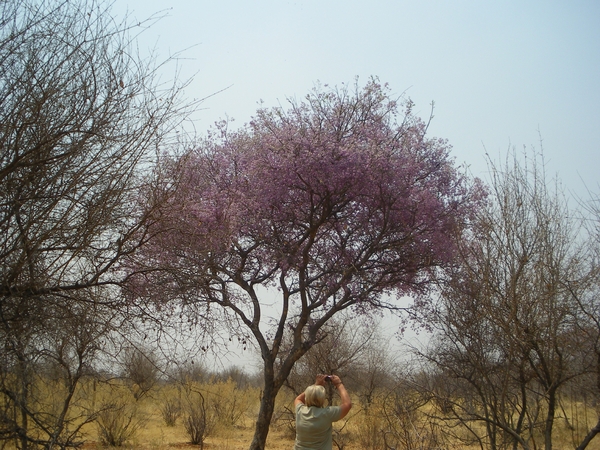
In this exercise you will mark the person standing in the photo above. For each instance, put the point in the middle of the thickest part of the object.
(314, 419)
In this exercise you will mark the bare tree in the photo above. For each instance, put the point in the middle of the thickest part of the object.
(349, 347)
(587, 294)
(507, 323)
(42, 374)
(405, 421)
(81, 116)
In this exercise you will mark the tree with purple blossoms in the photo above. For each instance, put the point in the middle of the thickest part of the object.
(339, 202)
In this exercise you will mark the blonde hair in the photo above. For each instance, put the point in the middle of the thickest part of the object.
(315, 395)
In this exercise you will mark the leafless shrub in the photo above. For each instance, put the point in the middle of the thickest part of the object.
(341, 437)
(141, 370)
(404, 423)
(170, 410)
(368, 431)
(284, 419)
(118, 423)
(229, 403)
(198, 421)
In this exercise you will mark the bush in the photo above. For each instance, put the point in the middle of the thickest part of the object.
(230, 403)
(117, 423)
(170, 410)
(368, 430)
(198, 421)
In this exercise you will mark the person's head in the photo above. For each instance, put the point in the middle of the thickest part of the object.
(315, 395)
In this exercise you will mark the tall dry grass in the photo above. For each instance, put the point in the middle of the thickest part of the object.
(158, 420)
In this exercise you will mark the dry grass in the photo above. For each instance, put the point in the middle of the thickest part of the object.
(361, 432)
(155, 434)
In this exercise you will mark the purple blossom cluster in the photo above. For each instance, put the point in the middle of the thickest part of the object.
(340, 198)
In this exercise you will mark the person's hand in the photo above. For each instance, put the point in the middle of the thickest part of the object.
(320, 379)
(335, 380)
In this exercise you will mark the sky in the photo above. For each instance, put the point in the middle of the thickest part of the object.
(502, 74)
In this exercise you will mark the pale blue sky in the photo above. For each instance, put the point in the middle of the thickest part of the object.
(498, 71)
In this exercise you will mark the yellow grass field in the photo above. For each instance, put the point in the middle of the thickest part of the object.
(155, 434)
(232, 412)
(362, 430)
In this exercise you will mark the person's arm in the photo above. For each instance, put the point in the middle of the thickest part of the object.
(345, 397)
(299, 400)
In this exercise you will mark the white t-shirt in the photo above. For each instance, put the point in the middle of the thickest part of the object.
(313, 426)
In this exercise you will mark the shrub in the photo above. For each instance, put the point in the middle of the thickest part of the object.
(230, 403)
(170, 410)
(198, 421)
(117, 423)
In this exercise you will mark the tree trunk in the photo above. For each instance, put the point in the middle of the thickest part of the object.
(550, 418)
(265, 414)
(271, 388)
(23, 403)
